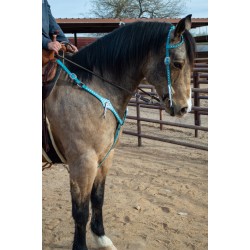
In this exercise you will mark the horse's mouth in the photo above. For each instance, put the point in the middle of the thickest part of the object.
(171, 111)
(165, 104)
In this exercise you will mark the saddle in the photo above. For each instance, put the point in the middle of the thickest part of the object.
(49, 66)
(50, 75)
(50, 70)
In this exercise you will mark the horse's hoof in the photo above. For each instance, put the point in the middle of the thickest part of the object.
(103, 243)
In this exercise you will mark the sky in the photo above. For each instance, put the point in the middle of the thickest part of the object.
(81, 8)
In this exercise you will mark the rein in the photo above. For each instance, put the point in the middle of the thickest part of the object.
(106, 103)
(167, 62)
(112, 83)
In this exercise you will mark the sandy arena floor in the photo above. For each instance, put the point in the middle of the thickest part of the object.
(156, 195)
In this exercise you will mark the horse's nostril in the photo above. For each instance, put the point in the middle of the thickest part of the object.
(183, 110)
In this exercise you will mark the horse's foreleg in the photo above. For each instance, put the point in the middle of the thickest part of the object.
(97, 199)
(82, 175)
(80, 213)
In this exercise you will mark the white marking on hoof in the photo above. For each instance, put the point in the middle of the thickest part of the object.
(103, 241)
(190, 102)
(108, 248)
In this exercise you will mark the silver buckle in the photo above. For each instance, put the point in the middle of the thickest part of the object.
(167, 60)
(73, 76)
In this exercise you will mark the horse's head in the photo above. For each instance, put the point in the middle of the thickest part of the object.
(170, 69)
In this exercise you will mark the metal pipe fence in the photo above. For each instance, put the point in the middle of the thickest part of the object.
(199, 77)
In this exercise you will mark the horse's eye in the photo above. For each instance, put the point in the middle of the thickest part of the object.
(178, 65)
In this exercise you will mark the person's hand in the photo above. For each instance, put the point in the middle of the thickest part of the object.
(55, 46)
(71, 48)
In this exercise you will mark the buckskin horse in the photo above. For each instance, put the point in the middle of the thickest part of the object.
(86, 112)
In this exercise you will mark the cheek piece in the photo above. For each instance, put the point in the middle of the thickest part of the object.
(167, 62)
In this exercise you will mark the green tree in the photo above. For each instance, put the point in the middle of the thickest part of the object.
(138, 8)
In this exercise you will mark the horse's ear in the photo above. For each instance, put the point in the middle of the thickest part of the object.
(184, 23)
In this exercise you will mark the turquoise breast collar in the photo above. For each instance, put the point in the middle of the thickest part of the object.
(105, 103)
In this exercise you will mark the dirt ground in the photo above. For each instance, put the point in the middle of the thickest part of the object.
(156, 195)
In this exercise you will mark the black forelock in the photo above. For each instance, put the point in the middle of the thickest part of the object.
(124, 48)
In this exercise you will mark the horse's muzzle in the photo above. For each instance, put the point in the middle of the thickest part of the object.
(179, 112)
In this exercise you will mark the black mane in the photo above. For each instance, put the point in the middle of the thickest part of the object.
(125, 47)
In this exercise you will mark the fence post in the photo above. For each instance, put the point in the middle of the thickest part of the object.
(75, 39)
(161, 125)
(138, 115)
(197, 120)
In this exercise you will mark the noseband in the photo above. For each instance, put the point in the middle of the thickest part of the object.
(167, 62)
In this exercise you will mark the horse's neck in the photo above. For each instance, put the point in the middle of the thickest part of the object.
(119, 97)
